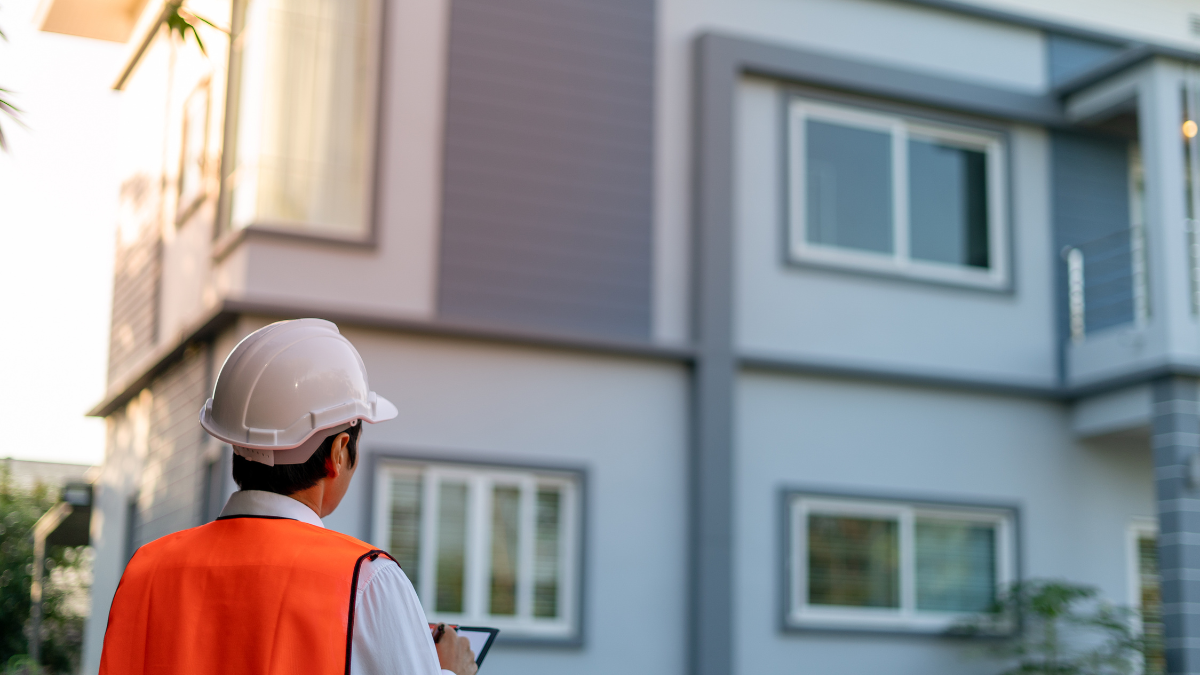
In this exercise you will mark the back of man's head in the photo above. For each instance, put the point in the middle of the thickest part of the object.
(286, 479)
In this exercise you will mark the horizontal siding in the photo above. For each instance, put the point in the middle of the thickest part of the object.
(173, 475)
(137, 277)
(548, 166)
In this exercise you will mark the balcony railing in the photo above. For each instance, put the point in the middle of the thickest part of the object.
(1106, 282)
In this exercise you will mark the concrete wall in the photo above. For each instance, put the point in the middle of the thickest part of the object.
(1076, 500)
(871, 321)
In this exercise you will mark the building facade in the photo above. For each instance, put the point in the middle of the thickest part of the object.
(727, 337)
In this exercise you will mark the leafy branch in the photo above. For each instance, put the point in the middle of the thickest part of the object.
(11, 111)
(1058, 628)
(181, 21)
(7, 107)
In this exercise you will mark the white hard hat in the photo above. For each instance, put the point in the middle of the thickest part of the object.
(285, 384)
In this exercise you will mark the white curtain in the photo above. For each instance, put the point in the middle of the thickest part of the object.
(307, 115)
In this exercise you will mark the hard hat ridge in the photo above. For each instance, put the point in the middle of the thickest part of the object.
(284, 384)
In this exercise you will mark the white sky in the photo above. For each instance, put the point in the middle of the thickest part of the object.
(58, 200)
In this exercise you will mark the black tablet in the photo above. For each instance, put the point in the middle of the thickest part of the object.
(481, 639)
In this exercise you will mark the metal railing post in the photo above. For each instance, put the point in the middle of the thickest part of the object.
(1138, 269)
(1193, 248)
(1075, 306)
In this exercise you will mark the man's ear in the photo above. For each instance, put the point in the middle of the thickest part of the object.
(339, 449)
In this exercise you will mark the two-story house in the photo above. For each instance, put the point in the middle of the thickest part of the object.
(728, 337)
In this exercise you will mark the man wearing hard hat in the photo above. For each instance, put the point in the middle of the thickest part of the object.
(266, 588)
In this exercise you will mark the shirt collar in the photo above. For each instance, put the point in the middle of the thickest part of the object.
(260, 503)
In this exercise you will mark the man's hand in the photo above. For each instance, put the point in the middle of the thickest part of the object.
(454, 653)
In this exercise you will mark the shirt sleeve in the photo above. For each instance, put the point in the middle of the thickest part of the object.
(391, 634)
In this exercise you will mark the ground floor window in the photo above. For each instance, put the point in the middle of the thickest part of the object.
(486, 545)
(882, 564)
(1146, 592)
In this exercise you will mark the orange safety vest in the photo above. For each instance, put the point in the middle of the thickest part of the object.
(245, 594)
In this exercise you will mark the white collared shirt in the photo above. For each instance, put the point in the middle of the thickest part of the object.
(391, 634)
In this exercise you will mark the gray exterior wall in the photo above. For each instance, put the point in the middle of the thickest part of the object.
(155, 457)
(621, 420)
(846, 317)
(170, 494)
(548, 186)
(1076, 500)
(137, 278)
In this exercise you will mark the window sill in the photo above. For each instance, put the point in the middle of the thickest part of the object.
(842, 622)
(886, 267)
(230, 240)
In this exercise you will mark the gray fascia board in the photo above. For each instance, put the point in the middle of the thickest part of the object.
(923, 378)
(1122, 61)
(1015, 19)
(1136, 54)
(753, 57)
(1051, 26)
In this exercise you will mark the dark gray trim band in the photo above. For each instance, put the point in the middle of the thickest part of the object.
(384, 454)
(220, 318)
(1019, 20)
(227, 312)
(797, 65)
(718, 66)
(1051, 26)
(849, 370)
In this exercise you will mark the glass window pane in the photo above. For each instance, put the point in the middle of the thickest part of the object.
(1151, 605)
(848, 187)
(404, 539)
(307, 112)
(545, 554)
(948, 208)
(853, 561)
(191, 169)
(956, 565)
(505, 519)
(452, 543)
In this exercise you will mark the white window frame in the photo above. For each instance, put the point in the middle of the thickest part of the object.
(800, 614)
(186, 200)
(898, 262)
(480, 479)
(1138, 529)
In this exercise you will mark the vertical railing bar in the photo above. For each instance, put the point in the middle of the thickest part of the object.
(1075, 299)
(1193, 248)
(1190, 94)
(1141, 296)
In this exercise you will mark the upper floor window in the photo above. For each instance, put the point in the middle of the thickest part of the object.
(485, 545)
(193, 152)
(875, 564)
(306, 116)
(890, 194)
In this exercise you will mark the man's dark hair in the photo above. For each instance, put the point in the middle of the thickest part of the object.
(286, 479)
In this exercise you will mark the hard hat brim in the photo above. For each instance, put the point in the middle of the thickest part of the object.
(379, 410)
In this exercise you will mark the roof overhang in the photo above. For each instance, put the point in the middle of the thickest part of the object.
(112, 20)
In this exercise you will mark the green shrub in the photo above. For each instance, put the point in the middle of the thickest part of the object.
(1049, 627)
(65, 584)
